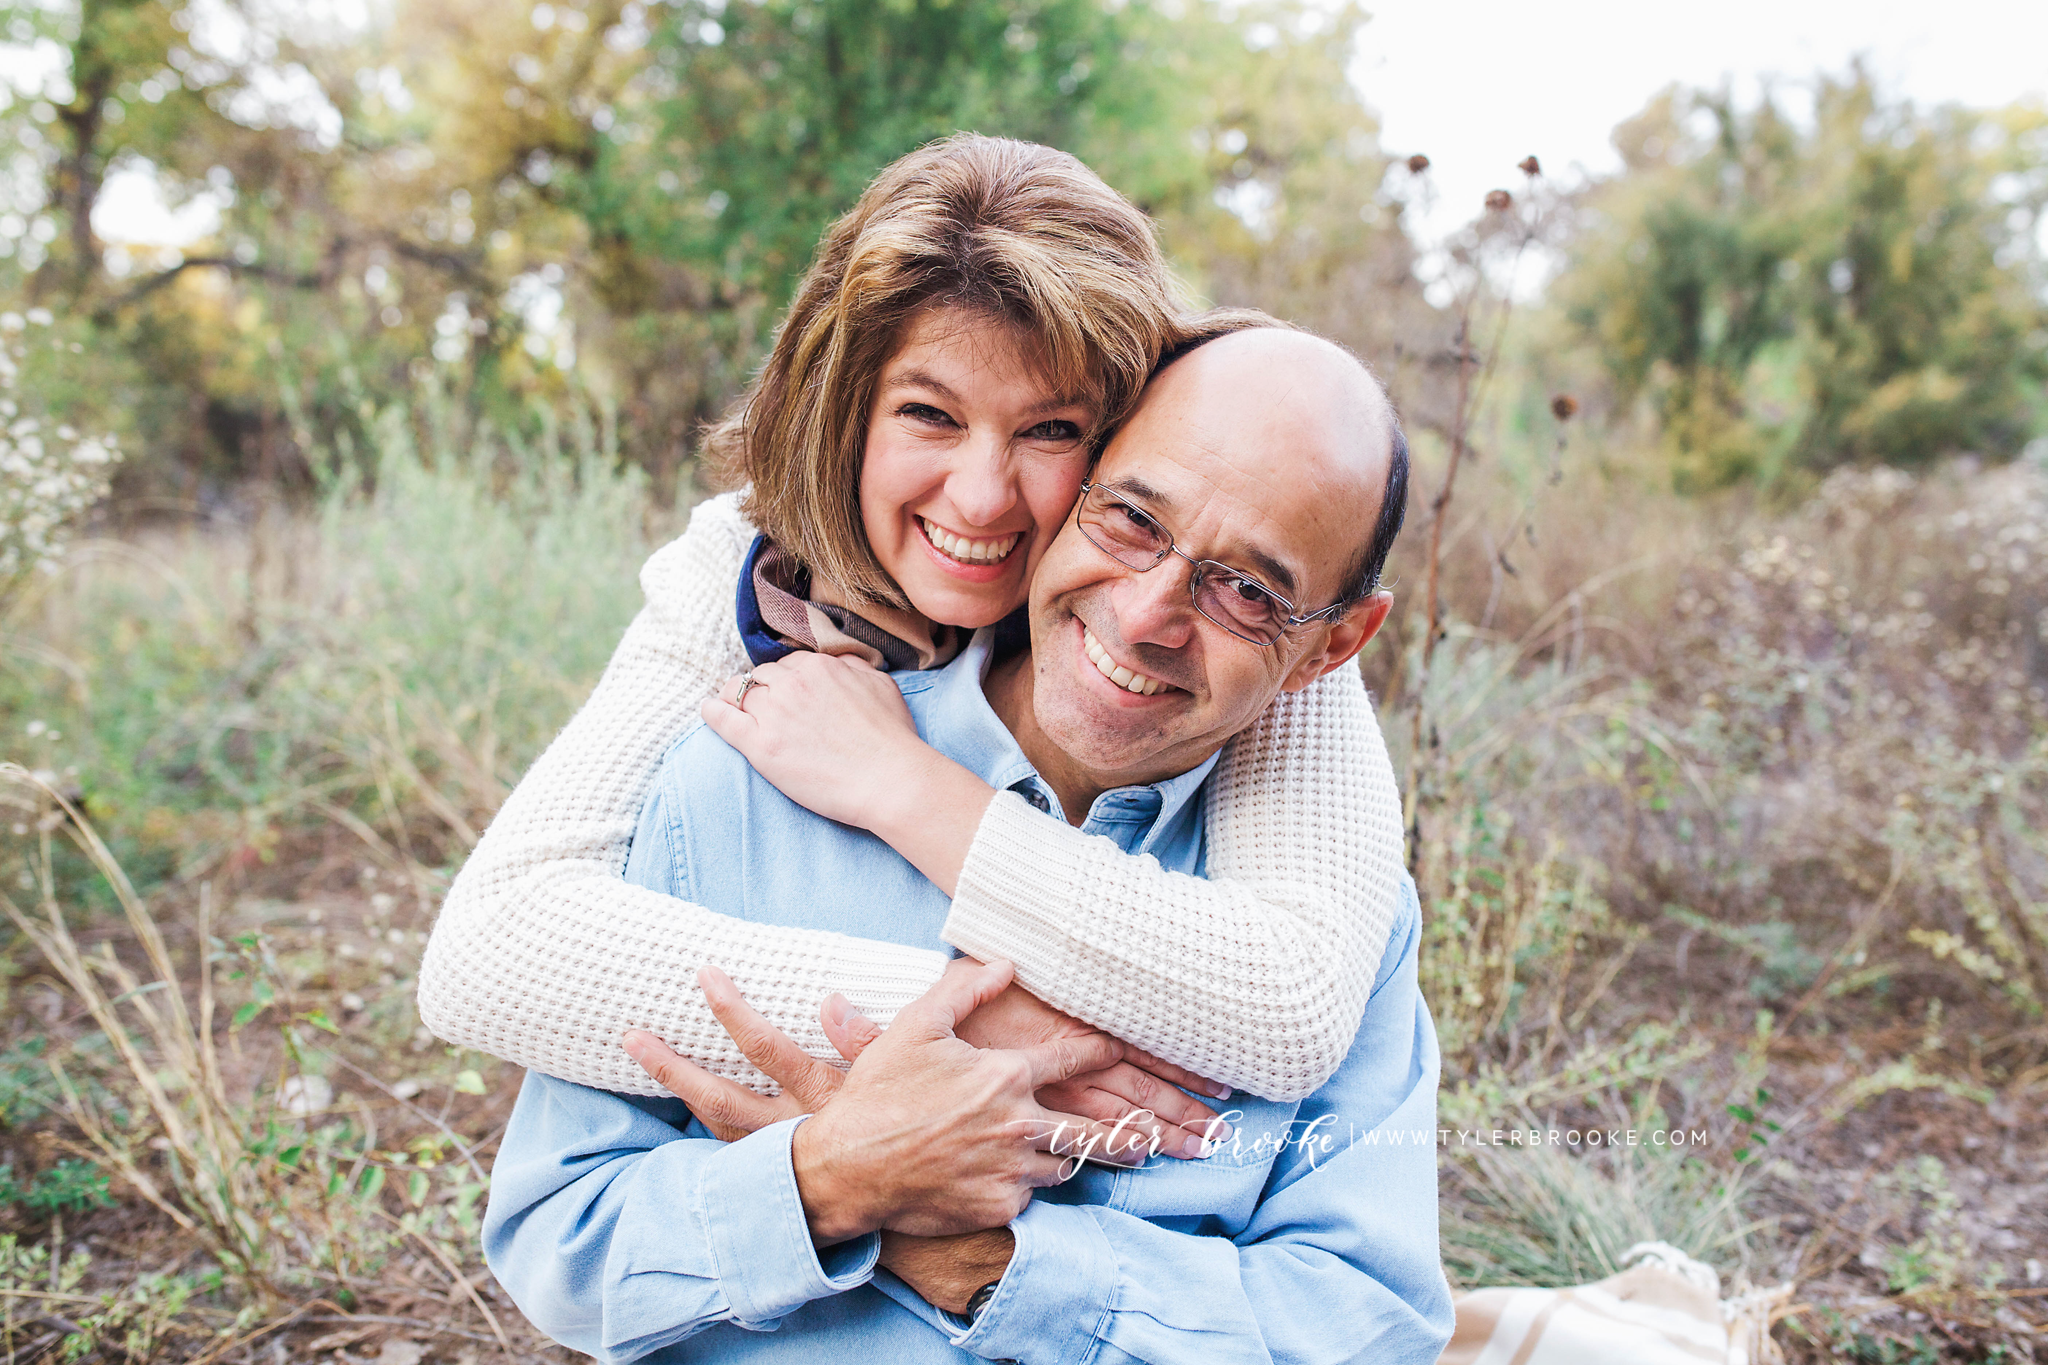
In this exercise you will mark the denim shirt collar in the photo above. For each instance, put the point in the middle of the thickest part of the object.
(952, 710)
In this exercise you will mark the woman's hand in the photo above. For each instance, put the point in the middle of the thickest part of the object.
(1136, 1093)
(833, 735)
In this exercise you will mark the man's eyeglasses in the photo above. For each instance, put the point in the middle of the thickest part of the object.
(1233, 600)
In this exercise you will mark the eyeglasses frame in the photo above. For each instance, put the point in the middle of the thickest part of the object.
(1288, 619)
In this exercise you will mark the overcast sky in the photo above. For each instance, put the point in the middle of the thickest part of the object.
(1479, 84)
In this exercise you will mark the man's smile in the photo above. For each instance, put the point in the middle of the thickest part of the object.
(1119, 674)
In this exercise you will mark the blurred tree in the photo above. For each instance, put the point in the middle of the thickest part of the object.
(1291, 213)
(1866, 286)
(508, 198)
(749, 127)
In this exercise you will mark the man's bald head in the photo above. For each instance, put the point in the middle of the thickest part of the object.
(1320, 405)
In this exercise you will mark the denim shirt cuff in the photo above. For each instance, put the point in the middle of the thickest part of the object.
(754, 1221)
(1052, 1300)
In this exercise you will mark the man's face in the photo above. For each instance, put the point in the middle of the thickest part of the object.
(1265, 451)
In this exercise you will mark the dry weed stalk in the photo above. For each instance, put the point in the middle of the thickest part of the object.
(215, 1191)
(1469, 251)
(232, 1179)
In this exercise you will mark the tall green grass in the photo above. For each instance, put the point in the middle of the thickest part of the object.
(388, 659)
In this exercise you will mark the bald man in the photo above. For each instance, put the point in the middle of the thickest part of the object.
(1227, 546)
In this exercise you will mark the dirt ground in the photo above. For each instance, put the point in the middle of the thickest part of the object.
(1832, 1216)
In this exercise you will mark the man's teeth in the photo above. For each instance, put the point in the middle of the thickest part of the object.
(970, 551)
(1114, 671)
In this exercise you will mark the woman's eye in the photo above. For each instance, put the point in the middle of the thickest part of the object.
(926, 413)
(1054, 430)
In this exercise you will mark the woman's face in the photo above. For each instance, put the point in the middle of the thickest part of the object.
(972, 464)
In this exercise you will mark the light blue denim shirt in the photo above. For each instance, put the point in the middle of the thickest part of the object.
(625, 1230)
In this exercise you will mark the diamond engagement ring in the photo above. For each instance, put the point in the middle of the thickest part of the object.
(748, 682)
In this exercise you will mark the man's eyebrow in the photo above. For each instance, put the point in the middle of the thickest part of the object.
(1276, 573)
(1139, 491)
(1271, 570)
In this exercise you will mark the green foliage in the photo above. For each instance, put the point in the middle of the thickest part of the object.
(1543, 1216)
(70, 1186)
(1757, 1127)
(394, 661)
(771, 117)
(26, 1090)
(516, 190)
(1866, 288)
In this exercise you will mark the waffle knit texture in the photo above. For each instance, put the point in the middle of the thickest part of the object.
(1255, 975)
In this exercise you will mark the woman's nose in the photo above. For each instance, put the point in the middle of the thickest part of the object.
(983, 484)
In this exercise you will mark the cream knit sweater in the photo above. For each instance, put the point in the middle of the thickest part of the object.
(1255, 976)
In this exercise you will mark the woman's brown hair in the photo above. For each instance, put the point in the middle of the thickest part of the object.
(1023, 233)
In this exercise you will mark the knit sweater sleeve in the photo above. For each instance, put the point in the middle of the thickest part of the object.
(1256, 976)
(544, 954)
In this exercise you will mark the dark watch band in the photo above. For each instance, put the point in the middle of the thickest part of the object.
(978, 1300)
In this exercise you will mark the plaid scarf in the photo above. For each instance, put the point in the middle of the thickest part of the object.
(782, 609)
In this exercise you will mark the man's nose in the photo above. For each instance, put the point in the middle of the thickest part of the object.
(1155, 607)
(982, 485)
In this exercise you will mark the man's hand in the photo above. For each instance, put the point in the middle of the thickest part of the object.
(1137, 1091)
(945, 1271)
(926, 1134)
(730, 1110)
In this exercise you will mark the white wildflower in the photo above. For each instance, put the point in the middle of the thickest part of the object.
(46, 484)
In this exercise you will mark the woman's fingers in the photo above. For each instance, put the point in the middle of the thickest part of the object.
(846, 1027)
(1136, 1088)
(1076, 1139)
(729, 1110)
(1122, 1094)
(802, 1077)
(1175, 1075)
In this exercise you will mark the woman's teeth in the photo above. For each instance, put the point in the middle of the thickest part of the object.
(1114, 671)
(969, 551)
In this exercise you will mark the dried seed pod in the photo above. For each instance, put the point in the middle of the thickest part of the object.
(1417, 164)
(1499, 201)
(1530, 167)
(1563, 406)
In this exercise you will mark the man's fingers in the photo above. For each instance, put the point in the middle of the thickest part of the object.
(1064, 1057)
(1175, 1075)
(801, 1076)
(846, 1027)
(1043, 1170)
(728, 1109)
(965, 988)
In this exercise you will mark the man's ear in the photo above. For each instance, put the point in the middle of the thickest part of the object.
(1341, 641)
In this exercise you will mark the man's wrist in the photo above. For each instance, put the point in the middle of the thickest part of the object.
(838, 1201)
(948, 1271)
